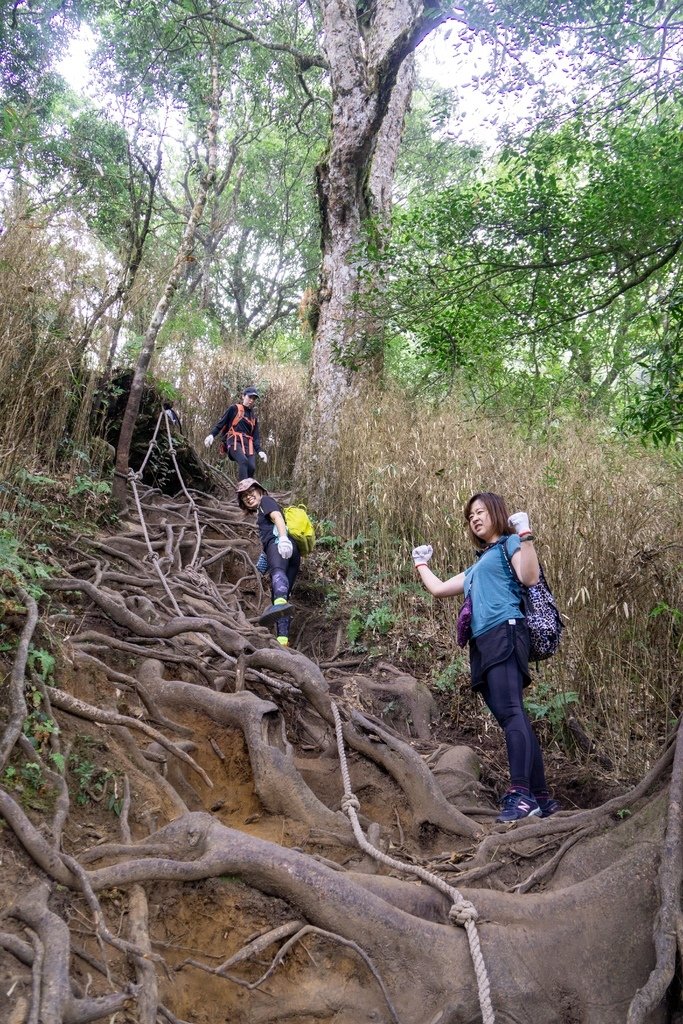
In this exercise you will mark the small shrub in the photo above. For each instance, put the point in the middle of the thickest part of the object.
(381, 620)
(92, 781)
(16, 568)
(447, 681)
(355, 627)
(550, 706)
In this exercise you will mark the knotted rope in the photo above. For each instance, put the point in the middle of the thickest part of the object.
(190, 499)
(133, 478)
(462, 912)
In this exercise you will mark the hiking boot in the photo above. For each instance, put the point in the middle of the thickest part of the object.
(548, 805)
(275, 611)
(284, 642)
(516, 805)
(262, 564)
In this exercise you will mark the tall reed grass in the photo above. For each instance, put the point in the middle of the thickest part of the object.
(35, 351)
(45, 394)
(609, 526)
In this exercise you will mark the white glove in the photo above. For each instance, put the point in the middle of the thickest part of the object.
(284, 547)
(262, 455)
(422, 554)
(208, 440)
(519, 521)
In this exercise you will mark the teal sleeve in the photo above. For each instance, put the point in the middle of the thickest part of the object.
(513, 544)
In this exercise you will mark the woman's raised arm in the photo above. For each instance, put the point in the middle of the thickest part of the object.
(436, 587)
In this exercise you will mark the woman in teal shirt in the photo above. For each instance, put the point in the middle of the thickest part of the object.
(499, 639)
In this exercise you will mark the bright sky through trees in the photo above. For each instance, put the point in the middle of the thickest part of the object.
(438, 62)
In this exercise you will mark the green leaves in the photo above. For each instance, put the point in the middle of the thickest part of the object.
(17, 567)
(87, 485)
(542, 284)
(41, 662)
(654, 406)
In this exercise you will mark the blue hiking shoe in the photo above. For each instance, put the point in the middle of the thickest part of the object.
(262, 563)
(548, 805)
(516, 805)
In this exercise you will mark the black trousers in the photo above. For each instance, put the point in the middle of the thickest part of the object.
(283, 573)
(502, 689)
(246, 464)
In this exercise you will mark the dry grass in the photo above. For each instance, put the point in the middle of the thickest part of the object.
(34, 357)
(609, 526)
(44, 286)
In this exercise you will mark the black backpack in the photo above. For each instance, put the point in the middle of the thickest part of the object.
(540, 612)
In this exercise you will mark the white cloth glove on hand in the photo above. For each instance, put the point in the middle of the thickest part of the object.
(519, 521)
(284, 547)
(422, 554)
(208, 440)
(262, 455)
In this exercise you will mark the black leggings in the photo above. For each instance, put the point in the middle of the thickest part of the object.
(283, 573)
(502, 692)
(246, 464)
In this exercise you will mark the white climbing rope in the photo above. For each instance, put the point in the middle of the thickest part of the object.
(462, 912)
(133, 478)
(150, 446)
(191, 502)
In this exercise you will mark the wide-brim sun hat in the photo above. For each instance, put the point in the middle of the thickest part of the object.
(246, 485)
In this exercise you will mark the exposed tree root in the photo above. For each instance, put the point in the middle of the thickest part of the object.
(667, 936)
(138, 925)
(300, 934)
(395, 953)
(199, 847)
(278, 783)
(116, 610)
(398, 758)
(17, 701)
(82, 710)
(53, 1001)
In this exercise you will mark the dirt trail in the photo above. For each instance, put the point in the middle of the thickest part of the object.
(190, 801)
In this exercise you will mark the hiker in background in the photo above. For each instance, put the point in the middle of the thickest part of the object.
(499, 639)
(172, 416)
(281, 552)
(239, 428)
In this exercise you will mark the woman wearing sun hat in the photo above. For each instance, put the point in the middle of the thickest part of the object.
(281, 552)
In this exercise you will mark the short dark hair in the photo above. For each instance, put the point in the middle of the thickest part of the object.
(496, 508)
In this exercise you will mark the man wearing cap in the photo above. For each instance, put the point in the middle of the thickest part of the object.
(238, 427)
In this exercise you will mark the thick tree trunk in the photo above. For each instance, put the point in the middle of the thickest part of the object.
(371, 94)
(161, 311)
(140, 227)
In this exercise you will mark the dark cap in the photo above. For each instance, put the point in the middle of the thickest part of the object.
(246, 485)
(251, 391)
